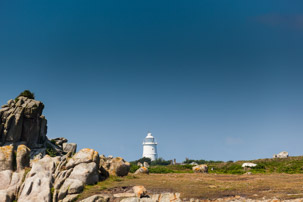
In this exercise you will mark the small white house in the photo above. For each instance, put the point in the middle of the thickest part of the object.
(150, 147)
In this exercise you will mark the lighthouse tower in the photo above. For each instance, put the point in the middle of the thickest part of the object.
(150, 147)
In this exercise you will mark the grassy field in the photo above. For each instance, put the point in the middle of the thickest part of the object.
(209, 186)
(280, 178)
(291, 165)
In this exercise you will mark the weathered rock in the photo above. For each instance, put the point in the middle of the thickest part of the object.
(62, 176)
(83, 156)
(70, 186)
(142, 170)
(23, 121)
(36, 154)
(9, 184)
(6, 157)
(85, 172)
(37, 184)
(117, 166)
(200, 168)
(69, 147)
(97, 198)
(131, 199)
(22, 157)
(139, 191)
(59, 141)
(124, 195)
(170, 197)
(281, 155)
(70, 198)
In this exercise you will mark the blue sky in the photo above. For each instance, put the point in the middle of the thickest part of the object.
(215, 80)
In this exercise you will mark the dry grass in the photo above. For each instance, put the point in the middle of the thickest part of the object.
(211, 186)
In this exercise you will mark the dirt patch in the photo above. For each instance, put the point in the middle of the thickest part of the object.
(210, 186)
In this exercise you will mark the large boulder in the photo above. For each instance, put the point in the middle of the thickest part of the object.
(83, 156)
(22, 120)
(116, 166)
(200, 168)
(86, 173)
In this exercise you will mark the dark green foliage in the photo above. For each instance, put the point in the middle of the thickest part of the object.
(133, 168)
(142, 160)
(160, 161)
(189, 161)
(51, 152)
(26, 93)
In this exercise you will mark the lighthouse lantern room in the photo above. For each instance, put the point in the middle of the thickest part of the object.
(150, 147)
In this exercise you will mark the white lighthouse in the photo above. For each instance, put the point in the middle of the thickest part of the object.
(150, 147)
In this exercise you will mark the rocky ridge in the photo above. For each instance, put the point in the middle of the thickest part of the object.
(34, 168)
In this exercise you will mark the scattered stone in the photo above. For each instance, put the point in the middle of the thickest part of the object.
(200, 168)
(142, 170)
(139, 191)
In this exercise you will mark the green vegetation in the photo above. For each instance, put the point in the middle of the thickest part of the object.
(26, 93)
(141, 160)
(291, 165)
(160, 161)
(171, 169)
(51, 152)
(189, 161)
(133, 168)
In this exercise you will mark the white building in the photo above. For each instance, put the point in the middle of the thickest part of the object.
(150, 147)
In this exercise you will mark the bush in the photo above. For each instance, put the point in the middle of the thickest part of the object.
(26, 93)
(160, 161)
(189, 161)
(141, 160)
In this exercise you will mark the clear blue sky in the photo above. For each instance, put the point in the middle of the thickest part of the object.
(218, 80)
